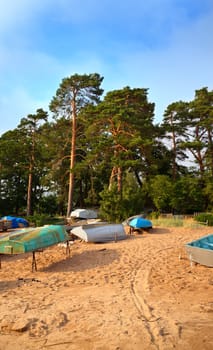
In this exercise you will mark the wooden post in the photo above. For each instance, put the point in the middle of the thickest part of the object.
(68, 249)
(34, 265)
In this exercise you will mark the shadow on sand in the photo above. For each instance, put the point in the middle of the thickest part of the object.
(159, 230)
(83, 261)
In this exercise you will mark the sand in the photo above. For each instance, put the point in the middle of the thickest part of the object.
(127, 295)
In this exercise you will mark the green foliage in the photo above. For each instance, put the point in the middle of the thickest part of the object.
(188, 128)
(116, 143)
(44, 219)
(188, 195)
(205, 218)
(154, 215)
(75, 93)
(48, 204)
(133, 197)
(110, 205)
(115, 207)
(161, 192)
(208, 192)
(120, 129)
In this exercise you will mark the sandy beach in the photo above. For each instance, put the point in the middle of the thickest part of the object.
(133, 294)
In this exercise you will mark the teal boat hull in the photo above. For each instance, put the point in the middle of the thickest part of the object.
(32, 239)
(201, 250)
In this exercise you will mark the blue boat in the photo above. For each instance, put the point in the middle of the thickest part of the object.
(140, 223)
(15, 222)
(201, 250)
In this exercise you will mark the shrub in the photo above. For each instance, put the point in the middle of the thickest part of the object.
(205, 218)
(43, 219)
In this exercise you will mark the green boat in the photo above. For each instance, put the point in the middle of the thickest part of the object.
(32, 239)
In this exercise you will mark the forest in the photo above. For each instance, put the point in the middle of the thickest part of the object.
(104, 151)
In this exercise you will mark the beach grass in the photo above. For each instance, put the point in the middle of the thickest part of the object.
(176, 222)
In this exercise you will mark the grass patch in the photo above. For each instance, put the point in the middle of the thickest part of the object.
(176, 222)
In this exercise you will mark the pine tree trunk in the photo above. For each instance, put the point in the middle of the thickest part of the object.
(112, 177)
(72, 160)
(29, 192)
(119, 179)
(30, 177)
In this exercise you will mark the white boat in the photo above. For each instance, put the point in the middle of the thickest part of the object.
(84, 214)
(201, 250)
(100, 233)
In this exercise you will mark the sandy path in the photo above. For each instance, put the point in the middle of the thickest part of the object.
(132, 295)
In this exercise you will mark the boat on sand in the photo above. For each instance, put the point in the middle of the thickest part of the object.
(201, 250)
(84, 214)
(98, 233)
(140, 223)
(32, 239)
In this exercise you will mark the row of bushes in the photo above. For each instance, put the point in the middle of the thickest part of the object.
(176, 220)
(205, 218)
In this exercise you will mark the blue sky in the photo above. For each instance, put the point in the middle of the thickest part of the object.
(163, 45)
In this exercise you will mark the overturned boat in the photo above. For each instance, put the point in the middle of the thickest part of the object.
(140, 223)
(84, 214)
(32, 239)
(14, 222)
(98, 233)
(201, 250)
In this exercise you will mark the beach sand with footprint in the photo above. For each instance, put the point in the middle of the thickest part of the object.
(129, 295)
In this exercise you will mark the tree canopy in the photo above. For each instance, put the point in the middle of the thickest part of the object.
(121, 161)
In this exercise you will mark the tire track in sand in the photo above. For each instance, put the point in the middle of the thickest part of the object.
(135, 262)
(139, 287)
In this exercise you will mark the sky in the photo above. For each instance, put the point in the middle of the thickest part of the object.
(165, 46)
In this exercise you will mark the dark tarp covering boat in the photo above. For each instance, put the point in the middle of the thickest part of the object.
(16, 222)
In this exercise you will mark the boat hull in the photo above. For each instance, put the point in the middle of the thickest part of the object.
(140, 223)
(201, 250)
(84, 214)
(32, 239)
(100, 233)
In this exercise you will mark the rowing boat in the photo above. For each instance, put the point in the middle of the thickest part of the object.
(32, 239)
(100, 232)
(201, 250)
